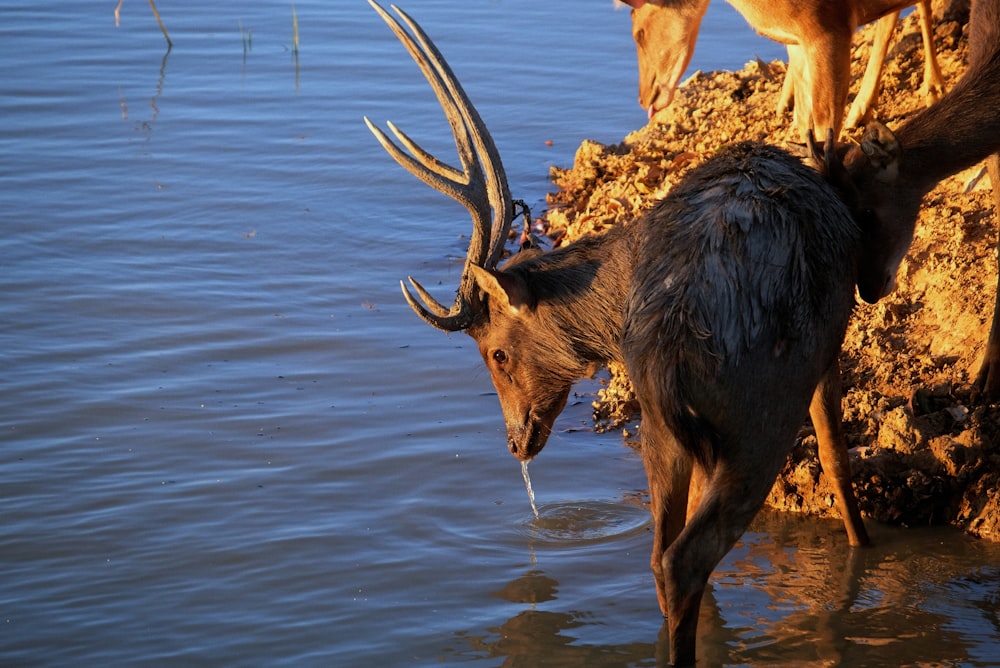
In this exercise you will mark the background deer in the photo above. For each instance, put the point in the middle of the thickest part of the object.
(818, 37)
(893, 172)
(727, 302)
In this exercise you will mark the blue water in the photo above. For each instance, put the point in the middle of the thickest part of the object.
(226, 440)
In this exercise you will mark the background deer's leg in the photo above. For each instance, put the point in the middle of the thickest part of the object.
(864, 101)
(792, 73)
(933, 87)
(828, 78)
(827, 418)
(988, 378)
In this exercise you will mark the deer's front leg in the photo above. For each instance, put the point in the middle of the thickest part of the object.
(793, 77)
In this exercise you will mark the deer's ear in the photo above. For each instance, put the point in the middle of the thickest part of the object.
(510, 292)
(882, 151)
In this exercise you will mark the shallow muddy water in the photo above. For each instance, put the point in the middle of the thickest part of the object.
(226, 440)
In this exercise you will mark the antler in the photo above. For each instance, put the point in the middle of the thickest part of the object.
(481, 185)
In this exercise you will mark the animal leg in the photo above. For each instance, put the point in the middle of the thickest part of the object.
(827, 419)
(828, 77)
(668, 468)
(733, 494)
(864, 101)
(792, 72)
(933, 87)
(699, 479)
(988, 378)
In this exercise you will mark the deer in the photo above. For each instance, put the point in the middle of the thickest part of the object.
(892, 171)
(727, 302)
(817, 34)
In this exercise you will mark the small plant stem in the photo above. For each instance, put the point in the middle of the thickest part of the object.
(163, 28)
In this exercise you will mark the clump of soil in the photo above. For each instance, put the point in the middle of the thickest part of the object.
(924, 447)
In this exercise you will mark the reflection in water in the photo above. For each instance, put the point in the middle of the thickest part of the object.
(536, 637)
(540, 638)
(532, 587)
(146, 126)
(792, 592)
(808, 599)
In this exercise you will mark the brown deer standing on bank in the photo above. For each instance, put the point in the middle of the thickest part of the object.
(818, 36)
(727, 302)
(894, 172)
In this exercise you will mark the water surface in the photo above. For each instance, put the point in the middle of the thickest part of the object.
(226, 440)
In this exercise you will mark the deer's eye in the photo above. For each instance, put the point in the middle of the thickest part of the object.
(500, 357)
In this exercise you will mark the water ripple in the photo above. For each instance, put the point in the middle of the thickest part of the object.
(586, 522)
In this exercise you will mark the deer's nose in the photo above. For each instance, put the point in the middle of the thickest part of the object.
(513, 446)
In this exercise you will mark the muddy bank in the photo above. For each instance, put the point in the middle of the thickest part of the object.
(924, 448)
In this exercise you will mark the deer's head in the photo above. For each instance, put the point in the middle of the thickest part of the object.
(865, 177)
(665, 32)
(888, 212)
(497, 307)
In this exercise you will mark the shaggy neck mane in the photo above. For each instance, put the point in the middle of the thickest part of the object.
(580, 290)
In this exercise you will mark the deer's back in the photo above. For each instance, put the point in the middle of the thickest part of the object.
(744, 273)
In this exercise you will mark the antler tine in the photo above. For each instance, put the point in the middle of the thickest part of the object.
(495, 177)
(425, 312)
(480, 186)
(424, 166)
(442, 168)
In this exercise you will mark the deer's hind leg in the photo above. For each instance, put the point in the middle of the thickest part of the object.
(733, 494)
(668, 469)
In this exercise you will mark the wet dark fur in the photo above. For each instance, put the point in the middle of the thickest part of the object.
(739, 272)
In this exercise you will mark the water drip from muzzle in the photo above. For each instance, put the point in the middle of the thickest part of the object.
(527, 485)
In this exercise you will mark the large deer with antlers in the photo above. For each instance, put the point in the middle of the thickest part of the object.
(727, 302)
(892, 172)
(818, 36)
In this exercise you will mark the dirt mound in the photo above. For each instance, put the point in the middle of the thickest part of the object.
(924, 450)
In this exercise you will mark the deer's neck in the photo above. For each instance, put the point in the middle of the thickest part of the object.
(581, 290)
(962, 129)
